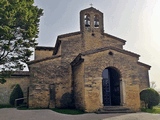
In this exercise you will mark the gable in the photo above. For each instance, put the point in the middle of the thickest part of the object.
(111, 48)
(109, 51)
(61, 37)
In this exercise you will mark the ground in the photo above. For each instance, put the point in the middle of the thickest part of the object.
(14, 114)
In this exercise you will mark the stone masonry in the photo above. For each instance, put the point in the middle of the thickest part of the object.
(69, 75)
(76, 66)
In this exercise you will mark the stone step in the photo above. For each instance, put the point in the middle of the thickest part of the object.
(114, 109)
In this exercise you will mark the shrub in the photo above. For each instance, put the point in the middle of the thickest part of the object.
(150, 97)
(67, 101)
(16, 93)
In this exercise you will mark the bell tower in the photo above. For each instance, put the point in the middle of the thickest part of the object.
(91, 20)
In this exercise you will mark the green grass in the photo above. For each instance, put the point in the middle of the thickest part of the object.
(24, 107)
(155, 109)
(68, 111)
(63, 111)
(6, 106)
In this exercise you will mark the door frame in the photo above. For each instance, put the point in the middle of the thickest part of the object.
(121, 85)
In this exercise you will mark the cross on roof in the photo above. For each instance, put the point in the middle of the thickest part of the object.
(91, 4)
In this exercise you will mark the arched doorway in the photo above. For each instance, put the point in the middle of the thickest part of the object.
(111, 87)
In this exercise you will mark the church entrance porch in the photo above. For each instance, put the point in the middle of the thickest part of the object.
(111, 87)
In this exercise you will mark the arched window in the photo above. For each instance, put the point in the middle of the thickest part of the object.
(96, 21)
(87, 21)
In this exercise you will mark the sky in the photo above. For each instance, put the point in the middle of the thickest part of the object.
(136, 21)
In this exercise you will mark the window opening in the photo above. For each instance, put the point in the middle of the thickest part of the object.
(87, 20)
(96, 21)
(110, 53)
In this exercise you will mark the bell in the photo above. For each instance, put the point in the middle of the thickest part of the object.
(87, 23)
(96, 24)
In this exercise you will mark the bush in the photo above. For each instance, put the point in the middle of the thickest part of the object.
(16, 93)
(150, 97)
(67, 101)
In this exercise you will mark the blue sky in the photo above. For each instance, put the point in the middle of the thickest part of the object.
(136, 21)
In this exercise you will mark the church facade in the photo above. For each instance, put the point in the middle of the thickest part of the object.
(87, 70)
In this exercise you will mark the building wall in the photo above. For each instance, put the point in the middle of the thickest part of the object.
(144, 77)
(40, 54)
(43, 74)
(109, 41)
(78, 86)
(130, 76)
(54, 71)
(99, 41)
(7, 88)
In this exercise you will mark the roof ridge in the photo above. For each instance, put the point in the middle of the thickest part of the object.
(44, 48)
(69, 34)
(117, 38)
(43, 59)
(107, 48)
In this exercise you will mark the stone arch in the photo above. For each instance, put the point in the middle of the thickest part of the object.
(117, 69)
(87, 21)
(96, 21)
(111, 86)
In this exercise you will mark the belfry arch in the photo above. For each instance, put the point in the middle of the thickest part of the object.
(111, 92)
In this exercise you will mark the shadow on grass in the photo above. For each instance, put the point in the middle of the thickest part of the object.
(6, 106)
(59, 110)
(68, 111)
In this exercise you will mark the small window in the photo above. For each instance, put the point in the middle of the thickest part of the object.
(110, 53)
(87, 21)
(52, 92)
(96, 21)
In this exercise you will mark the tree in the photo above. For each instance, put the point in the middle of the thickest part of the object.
(16, 93)
(150, 97)
(19, 22)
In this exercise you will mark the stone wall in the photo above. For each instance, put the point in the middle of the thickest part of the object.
(93, 98)
(43, 74)
(40, 54)
(99, 41)
(144, 77)
(39, 96)
(8, 87)
(132, 97)
(129, 72)
(78, 86)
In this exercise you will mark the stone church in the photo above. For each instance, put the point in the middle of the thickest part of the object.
(88, 70)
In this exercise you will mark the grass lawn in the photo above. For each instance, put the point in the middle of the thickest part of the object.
(63, 111)
(155, 109)
(5, 106)
(68, 111)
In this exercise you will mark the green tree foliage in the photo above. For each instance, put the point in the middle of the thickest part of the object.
(16, 93)
(19, 22)
(150, 97)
